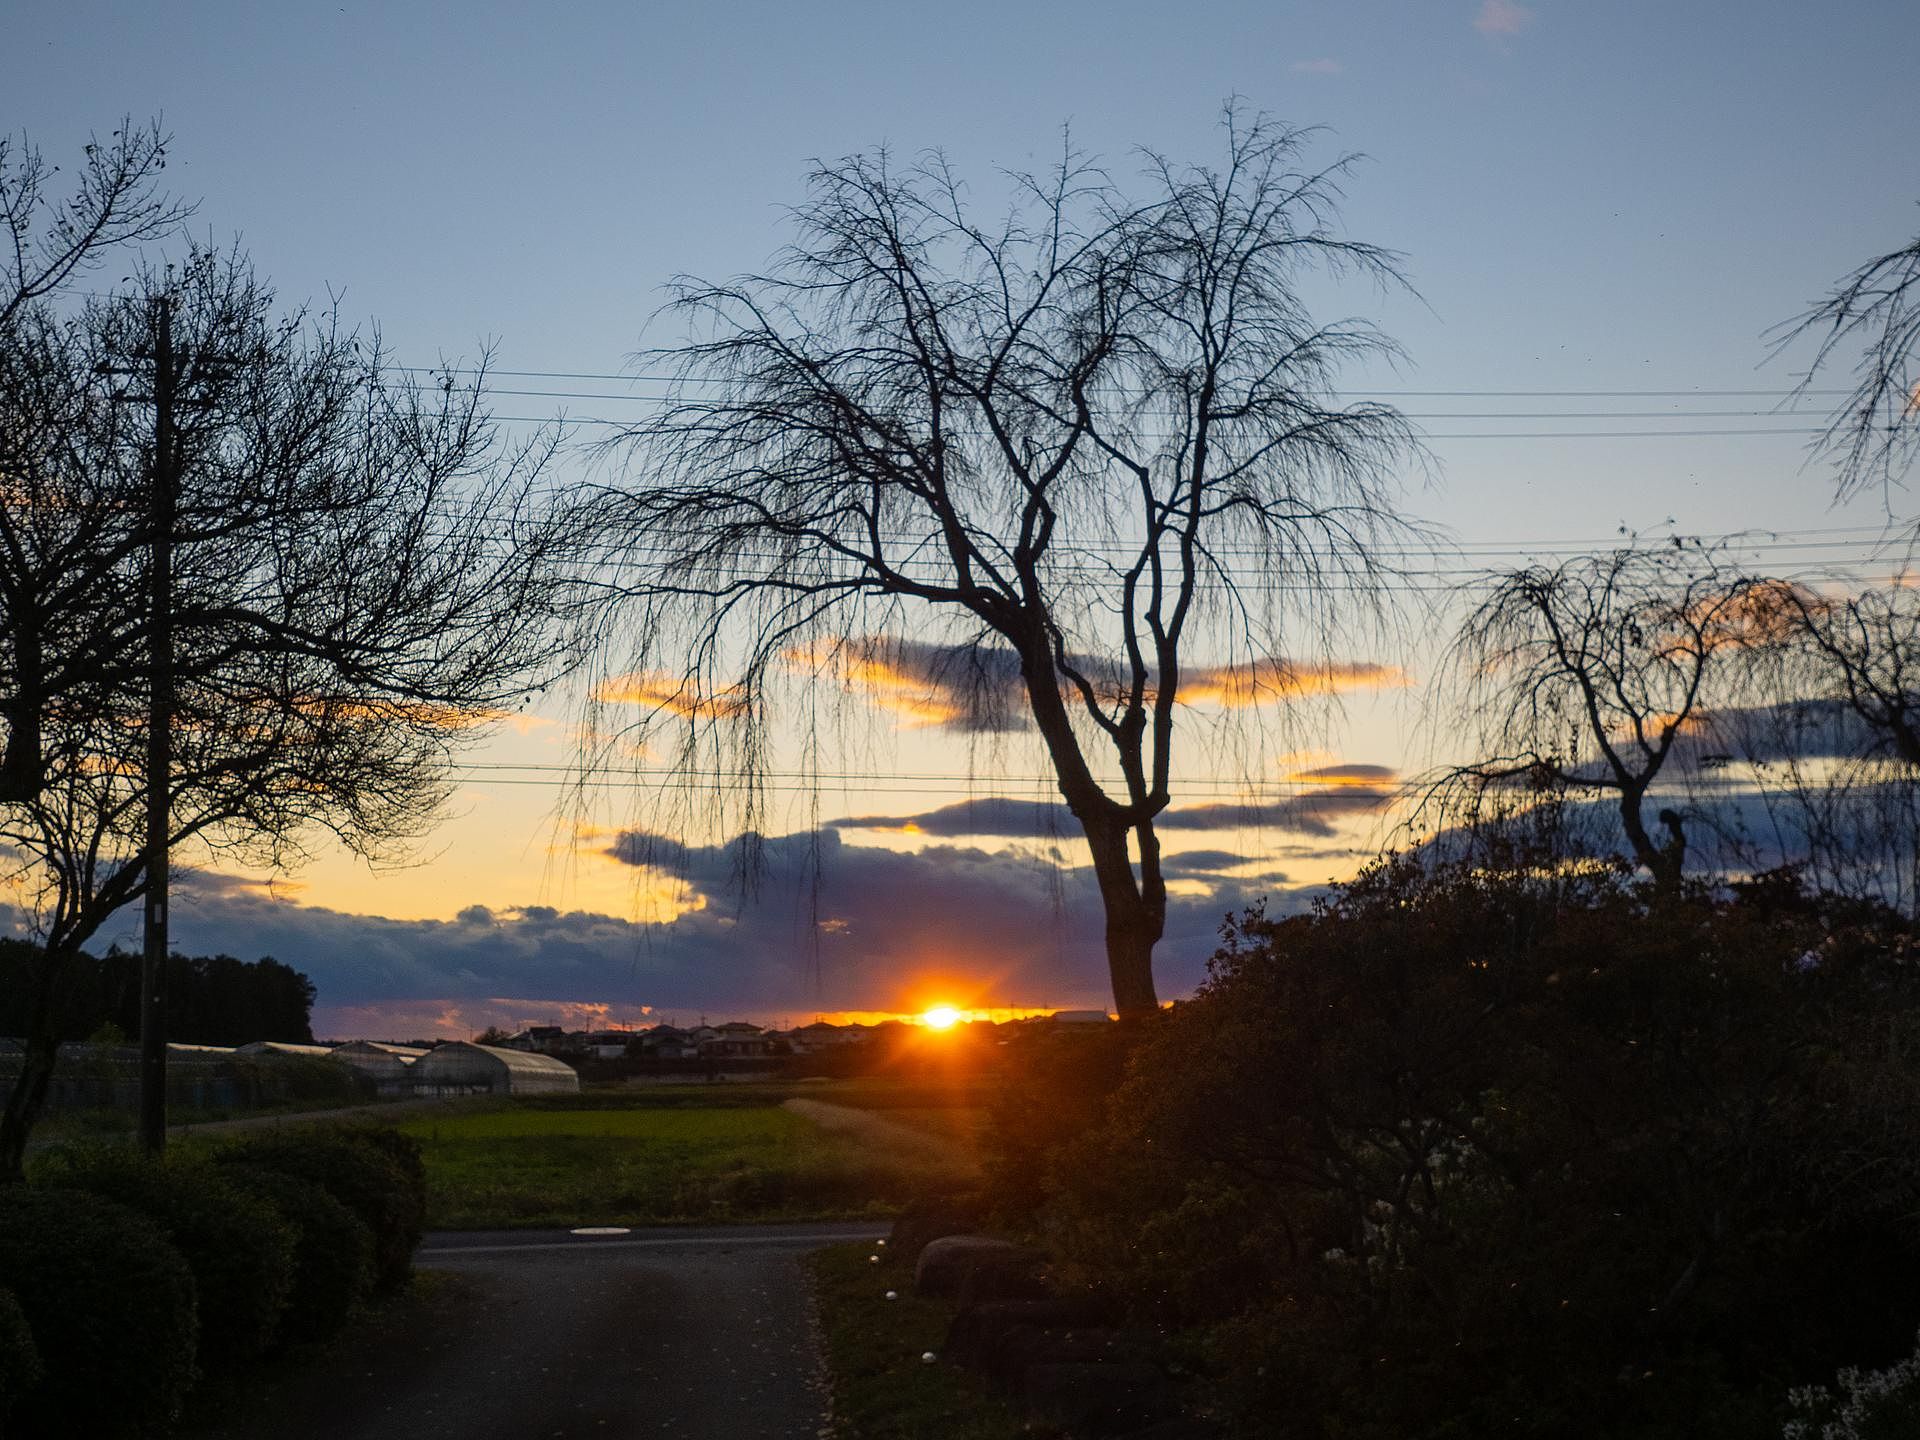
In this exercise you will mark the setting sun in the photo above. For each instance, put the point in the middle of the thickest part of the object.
(941, 1017)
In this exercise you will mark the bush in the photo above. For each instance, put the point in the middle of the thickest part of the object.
(1463, 1154)
(375, 1172)
(1871, 1405)
(240, 1251)
(332, 1253)
(1057, 1084)
(20, 1368)
(111, 1303)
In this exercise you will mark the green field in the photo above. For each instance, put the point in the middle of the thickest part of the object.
(654, 1155)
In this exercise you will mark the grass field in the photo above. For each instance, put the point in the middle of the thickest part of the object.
(663, 1154)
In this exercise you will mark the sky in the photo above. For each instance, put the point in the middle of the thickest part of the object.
(1603, 208)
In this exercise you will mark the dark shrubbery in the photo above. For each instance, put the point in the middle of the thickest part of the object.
(374, 1171)
(20, 1368)
(240, 1251)
(1462, 1155)
(1057, 1084)
(111, 1306)
(332, 1256)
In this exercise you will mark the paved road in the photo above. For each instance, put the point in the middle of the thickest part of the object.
(702, 1334)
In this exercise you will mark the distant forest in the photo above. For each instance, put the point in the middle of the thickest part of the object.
(211, 1000)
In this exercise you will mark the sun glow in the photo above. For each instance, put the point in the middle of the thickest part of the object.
(940, 1017)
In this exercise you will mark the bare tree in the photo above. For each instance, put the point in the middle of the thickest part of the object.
(1875, 310)
(1840, 744)
(1075, 444)
(114, 201)
(363, 576)
(1585, 677)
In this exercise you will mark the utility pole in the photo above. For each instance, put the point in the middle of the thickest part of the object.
(153, 959)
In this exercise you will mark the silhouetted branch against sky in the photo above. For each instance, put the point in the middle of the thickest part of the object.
(51, 233)
(1075, 428)
(1871, 321)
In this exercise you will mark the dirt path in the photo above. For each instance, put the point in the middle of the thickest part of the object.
(846, 1120)
(703, 1334)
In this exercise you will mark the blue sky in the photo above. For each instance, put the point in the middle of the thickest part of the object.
(1590, 197)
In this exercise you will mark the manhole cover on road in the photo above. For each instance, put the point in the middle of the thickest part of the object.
(600, 1230)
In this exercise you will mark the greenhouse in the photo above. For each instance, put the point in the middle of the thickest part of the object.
(389, 1067)
(458, 1068)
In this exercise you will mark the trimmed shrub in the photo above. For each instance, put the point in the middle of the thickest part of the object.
(376, 1173)
(20, 1368)
(111, 1303)
(332, 1253)
(240, 1251)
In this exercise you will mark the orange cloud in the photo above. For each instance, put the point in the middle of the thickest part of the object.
(1363, 776)
(677, 695)
(1273, 680)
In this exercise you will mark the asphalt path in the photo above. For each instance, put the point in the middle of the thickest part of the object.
(699, 1333)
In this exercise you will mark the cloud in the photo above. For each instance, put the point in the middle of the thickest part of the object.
(978, 688)
(1274, 679)
(1345, 775)
(971, 688)
(1502, 17)
(1315, 814)
(1205, 862)
(675, 694)
(993, 815)
(1317, 67)
(822, 924)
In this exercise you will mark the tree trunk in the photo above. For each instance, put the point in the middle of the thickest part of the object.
(29, 1093)
(1134, 927)
(24, 1103)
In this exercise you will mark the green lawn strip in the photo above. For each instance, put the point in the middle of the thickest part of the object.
(534, 1164)
(882, 1390)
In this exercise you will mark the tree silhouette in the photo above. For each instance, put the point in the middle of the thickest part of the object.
(362, 579)
(1063, 451)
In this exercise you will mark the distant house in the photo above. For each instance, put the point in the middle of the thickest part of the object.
(811, 1039)
(666, 1042)
(605, 1044)
(734, 1040)
(459, 1068)
(1081, 1017)
(541, 1039)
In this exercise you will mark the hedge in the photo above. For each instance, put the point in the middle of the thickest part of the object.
(375, 1172)
(332, 1255)
(111, 1304)
(240, 1251)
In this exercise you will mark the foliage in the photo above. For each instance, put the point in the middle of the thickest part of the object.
(374, 1172)
(1869, 1405)
(1056, 1086)
(240, 1251)
(112, 1307)
(20, 1368)
(1465, 1153)
(211, 1000)
(332, 1251)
